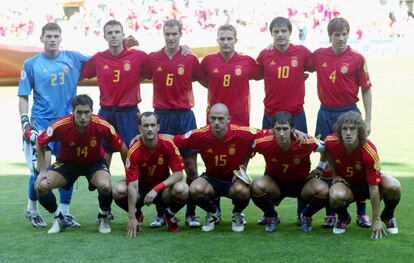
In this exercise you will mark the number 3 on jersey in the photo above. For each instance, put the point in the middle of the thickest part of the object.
(117, 75)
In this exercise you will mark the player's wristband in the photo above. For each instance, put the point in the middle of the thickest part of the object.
(24, 119)
(321, 166)
(159, 187)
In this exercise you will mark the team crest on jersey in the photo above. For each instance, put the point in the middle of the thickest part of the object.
(65, 68)
(216, 70)
(127, 66)
(294, 62)
(344, 68)
(127, 163)
(377, 165)
(49, 131)
(232, 149)
(106, 67)
(325, 65)
(92, 142)
(160, 159)
(358, 166)
(44, 70)
(296, 161)
(238, 70)
(180, 69)
(23, 75)
(272, 62)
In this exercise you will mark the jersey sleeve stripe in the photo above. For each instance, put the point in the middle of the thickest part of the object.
(371, 152)
(61, 122)
(133, 148)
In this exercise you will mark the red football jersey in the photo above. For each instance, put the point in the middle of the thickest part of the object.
(152, 166)
(118, 77)
(359, 166)
(339, 76)
(80, 148)
(292, 165)
(228, 83)
(223, 156)
(284, 78)
(172, 80)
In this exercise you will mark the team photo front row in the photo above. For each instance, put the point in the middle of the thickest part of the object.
(349, 170)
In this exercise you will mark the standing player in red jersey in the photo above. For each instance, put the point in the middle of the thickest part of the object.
(172, 76)
(224, 148)
(283, 67)
(357, 175)
(340, 72)
(80, 136)
(287, 173)
(226, 75)
(148, 178)
(119, 72)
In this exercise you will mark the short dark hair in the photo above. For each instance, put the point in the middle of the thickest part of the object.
(227, 27)
(173, 23)
(113, 23)
(279, 21)
(51, 26)
(148, 114)
(283, 117)
(337, 24)
(355, 118)
(82, 99)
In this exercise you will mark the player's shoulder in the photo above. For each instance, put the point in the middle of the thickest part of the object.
(62, 121)
(265, 139)
(369, 147)
(155, 54)
(99, 121)
(308, 141)
(32, 60)
(356, 53)
(331, 139)
(166, 140)
(243, 129)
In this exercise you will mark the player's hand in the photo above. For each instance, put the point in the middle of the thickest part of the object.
(300, 136)
(306, 76)
(133, 227)
(368, 124)
(377, 229)
(30, 133)
(186, 50)
(130, 41)
(149, 198)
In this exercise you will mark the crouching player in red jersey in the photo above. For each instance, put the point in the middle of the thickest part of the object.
(223, 148)
(148, 179)
(80, 136)
(356, 170)
(287, 173)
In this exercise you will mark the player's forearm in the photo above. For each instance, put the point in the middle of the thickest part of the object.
(23, 105)
(367, 101)
(41, 159)
(124, 152)
(132, 198)
(174, 178)
(375, 201)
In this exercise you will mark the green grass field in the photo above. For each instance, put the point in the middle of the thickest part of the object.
(393, 93)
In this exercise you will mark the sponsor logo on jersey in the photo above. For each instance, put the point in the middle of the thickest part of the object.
(238, 70)
(216, 70)
(106, 67)
(72, 144)
(210, 150)
(159, 69)
(325, 65)
(294, 62)
(180, 69)
(44, 70)
(272, 62)
(274, 160)
(344, 68)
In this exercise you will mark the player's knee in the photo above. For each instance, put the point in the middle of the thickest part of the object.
(321, 189)
(181, 190)
(119, 190)
(42, 187)
(196, 190)
(241, 191)
(105, 187)
(258, 187)
(337, 198)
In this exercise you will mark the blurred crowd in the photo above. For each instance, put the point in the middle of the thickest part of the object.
(82, 20)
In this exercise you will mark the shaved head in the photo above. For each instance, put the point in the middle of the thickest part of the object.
(220, 108)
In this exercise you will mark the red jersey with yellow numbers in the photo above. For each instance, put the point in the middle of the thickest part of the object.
(152, 166)
(172, 80)
(220, 156)
(228, 83)
(81, 148)
(339, 76)
(118, 76)
(284, 78)
(359, 166)
(291, 165)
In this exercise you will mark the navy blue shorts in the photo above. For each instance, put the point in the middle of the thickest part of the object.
(327, 117)
(220, 187)
(125, 122)
(288, 189)
(360, 191)
(299, 120)
(142, 192)
(177, 122)
(71, 171)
